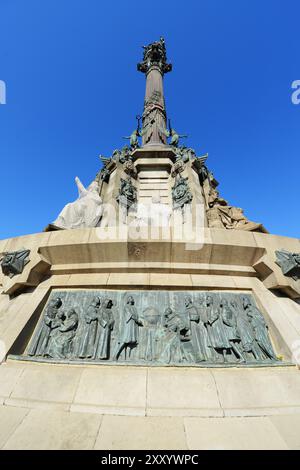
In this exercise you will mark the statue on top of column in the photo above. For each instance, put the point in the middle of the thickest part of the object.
(155, 54)
(154, 65)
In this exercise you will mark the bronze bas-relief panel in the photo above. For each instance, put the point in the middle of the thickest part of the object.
(151, 327)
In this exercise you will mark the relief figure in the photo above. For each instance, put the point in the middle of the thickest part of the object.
(129, 334)
(41, 339)
(106, 325)
(89, 333)
(62, 335)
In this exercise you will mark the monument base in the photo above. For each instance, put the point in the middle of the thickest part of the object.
(47, 406)
(228, 264)
(67, 405)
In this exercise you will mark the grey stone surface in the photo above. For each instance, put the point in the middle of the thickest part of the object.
(260, 391)
(28, 429)
(288, 426)
(233, 434)
(55, 430)
(111, 393)
(44, 386)
(182, 392)
(141, 433)
(160, 391)
(9, 377)
(10, 418)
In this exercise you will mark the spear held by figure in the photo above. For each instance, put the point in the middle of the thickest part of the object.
(138, 132)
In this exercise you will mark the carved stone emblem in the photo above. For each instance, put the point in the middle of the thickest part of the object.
(136, 250)
(14, 262)
(289, 263)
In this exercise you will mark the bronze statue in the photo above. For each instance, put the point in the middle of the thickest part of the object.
(133, 139)
(175, 137)
(155, 55)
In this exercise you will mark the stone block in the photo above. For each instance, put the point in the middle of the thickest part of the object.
(112, 390)
(10, 419)
(182, 392)
(233, 434)
(254, 392)
(9, 376)
(133, 279)
(289, 428)
(55, 430)
(141, 433)
(43, 385)
(157, 279)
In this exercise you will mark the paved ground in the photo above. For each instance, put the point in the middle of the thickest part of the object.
(103, 407)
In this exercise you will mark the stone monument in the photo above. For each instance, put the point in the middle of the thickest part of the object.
(151, 265)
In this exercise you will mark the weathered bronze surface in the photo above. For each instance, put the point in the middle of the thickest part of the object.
(289, 263)
(127, 196)
(173, 134)
(181, 193)
(14, 262)
(153, 327)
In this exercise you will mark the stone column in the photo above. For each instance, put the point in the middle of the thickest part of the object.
(154, 116)
(154, 65)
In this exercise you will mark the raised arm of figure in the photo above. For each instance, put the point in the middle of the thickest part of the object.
(81, 189)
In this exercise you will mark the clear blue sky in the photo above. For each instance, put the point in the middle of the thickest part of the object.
(73, 91)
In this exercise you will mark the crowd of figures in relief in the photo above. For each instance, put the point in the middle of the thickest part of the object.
(152, 327)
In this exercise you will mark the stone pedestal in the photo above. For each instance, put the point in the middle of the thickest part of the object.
(235, 261)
